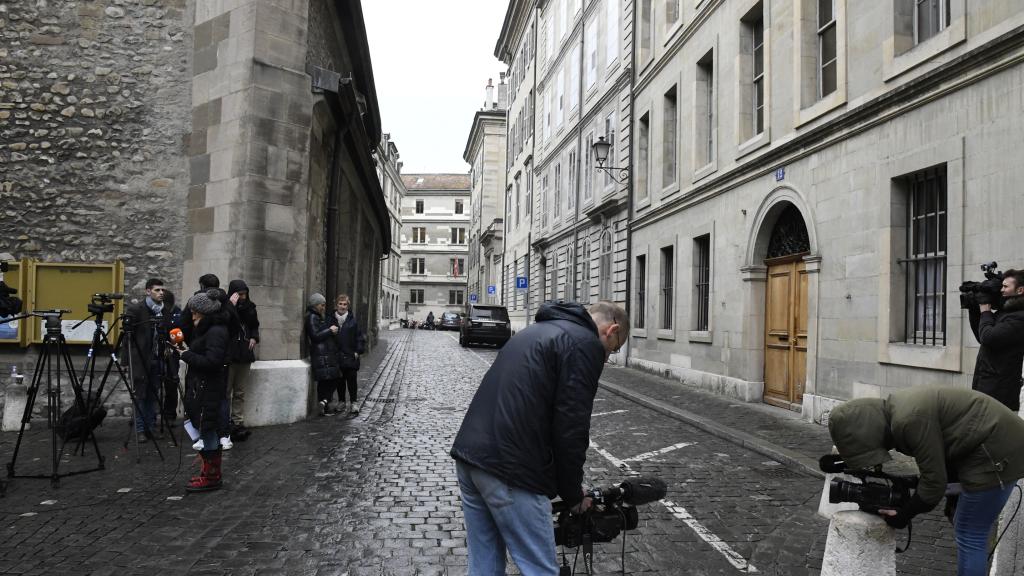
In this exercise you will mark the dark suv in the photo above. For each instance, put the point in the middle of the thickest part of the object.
(485, 325)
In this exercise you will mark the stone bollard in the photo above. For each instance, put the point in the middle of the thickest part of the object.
(14, 407)
(859, 544)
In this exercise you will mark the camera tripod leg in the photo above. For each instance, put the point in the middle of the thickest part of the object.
(126, 379)
(30, 400)
(76, 387)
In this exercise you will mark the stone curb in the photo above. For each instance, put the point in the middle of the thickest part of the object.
(790, 458)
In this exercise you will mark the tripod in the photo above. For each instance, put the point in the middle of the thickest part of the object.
(54, 344)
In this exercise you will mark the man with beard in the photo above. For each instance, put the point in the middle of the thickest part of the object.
(997, 371)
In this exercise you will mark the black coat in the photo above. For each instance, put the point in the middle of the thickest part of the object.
(206, 379)
(143, 346)
(248, 326)
(350, 341)
(323, 348)
(529, 422)
(997, 371)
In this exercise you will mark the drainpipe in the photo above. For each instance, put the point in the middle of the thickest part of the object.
(629, 189)
(533, 162)
(579, 158)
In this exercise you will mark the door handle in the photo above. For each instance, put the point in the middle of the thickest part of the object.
(783, 336)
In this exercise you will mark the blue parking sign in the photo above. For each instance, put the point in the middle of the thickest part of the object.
(521, 282)
(491, 290)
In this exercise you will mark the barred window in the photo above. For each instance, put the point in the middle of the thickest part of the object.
(641, 292)
(667, 277)
(925, 262)
(702, 281)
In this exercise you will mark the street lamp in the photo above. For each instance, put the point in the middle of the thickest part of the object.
(601, 149)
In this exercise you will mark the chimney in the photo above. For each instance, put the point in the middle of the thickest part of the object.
(502, 93)
(490, 95)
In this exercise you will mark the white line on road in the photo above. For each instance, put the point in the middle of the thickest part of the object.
(608, 413)
(653, 453)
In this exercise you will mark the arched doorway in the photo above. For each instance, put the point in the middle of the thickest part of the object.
(785, 318)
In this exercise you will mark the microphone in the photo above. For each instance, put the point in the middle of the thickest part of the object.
(642, 490)
(832, 463)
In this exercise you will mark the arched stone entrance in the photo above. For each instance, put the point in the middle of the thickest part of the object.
(781, 269)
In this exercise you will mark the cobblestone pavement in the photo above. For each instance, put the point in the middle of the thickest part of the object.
(377, 494)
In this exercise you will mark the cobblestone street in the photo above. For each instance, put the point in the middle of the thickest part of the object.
(377, 494)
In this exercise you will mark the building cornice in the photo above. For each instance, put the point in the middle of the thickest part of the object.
(513, 28)
(476, 131)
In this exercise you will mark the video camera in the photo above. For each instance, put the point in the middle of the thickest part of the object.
(875, 491)
(613, 510)
(9, 304)
(990, 288)
(103, 302)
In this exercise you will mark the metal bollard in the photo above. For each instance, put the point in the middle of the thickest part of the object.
(859, 544)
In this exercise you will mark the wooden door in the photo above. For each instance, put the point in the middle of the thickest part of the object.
(785, 354)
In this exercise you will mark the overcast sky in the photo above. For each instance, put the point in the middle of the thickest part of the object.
(431, 62)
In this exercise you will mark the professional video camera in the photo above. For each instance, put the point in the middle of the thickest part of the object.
(103, 302)
(613, 510)
(9, 304)
(875, 491)
(990, 287)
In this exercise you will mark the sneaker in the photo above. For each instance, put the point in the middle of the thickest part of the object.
(198, 446)
(323, 407)
(225, 443)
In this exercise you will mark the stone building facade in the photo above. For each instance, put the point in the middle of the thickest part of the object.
(570, 71)
(185, 137)
(389, 172)
(486, 154)
(435, 244)
(802, 224)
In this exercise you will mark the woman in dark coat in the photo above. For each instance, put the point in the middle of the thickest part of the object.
(351, 342)
(321, 329)
(206, 381)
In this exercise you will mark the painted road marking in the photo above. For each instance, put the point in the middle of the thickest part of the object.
(608, 413)
(653, 453)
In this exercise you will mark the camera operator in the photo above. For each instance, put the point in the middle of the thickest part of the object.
(997, 371)
(947, 431)
(525, 436)
(149, 329)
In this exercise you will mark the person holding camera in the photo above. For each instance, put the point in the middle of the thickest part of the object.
(149, 329)
(321, 330)
(997, 371)
(351, 342)
(948, 431)
(206, 382)
(525, 435)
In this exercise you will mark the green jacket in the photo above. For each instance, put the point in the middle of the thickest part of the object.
(944, 429)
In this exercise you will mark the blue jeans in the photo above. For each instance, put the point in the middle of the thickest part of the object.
(976, 513)
(148, 400)
(500, 517)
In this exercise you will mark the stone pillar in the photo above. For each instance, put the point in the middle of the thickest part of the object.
(249, 153)
(859, 544)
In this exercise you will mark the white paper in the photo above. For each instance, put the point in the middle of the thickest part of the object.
(191, 430)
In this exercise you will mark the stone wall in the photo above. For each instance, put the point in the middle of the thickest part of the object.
(94, 101)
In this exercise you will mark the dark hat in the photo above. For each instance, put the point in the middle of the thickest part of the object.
(205, 303)
(316, 299)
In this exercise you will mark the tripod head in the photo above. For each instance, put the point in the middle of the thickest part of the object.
(52, 317)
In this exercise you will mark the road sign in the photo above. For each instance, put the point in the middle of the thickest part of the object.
(472, 298)
(522, 283)
(491, 290)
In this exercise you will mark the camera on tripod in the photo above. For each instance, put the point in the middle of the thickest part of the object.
(990, 289)
(103, 302)
(876, 490)
(613, 510)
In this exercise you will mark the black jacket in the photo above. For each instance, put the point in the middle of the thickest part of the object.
(144, 345)
(350, 341)
(997, 371)
(230, 316)
(206, 379)
(529, 422)
(323, 348)
(248, 326)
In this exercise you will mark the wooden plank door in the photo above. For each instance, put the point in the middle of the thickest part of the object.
(785, 354)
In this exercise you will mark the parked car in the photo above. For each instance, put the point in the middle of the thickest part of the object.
(485, 325)
(450, 321)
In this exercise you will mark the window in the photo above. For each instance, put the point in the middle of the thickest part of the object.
(585, 273)
(705, 110)
(549, 35)
(606, 265)
(419, 235)
(646, 33)
(641, 292)
(827, 61)
(417, 266)
(544, 200)
(508, 204)
(925, 261)
(458, 235)
(671, 13)
(591, 46)
(558, 191)
(669, 145)
(570, 191)
(457, 266)
(564, 20)
(458, 206)
(553, 284)
(560, 99)
(757, 71)
(612, 40)
(529, 195)
(456, 297)
(667, 271)
(519, 200)
(609, 137)
(588, 167)
(930, 17)
(643, 157)
(546, 115)
(702, 281)
(574, 78)
(416, 296)
(419, 206)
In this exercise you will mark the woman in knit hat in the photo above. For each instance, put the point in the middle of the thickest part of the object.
(323, 350)
(206, 381)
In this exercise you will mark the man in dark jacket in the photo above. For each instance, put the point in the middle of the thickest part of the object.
(147, 321)
(241, 355)
(351, 341)
(997, 371)
(525, 436)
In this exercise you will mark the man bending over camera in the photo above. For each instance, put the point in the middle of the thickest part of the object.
(525, 436)
(997, 371)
